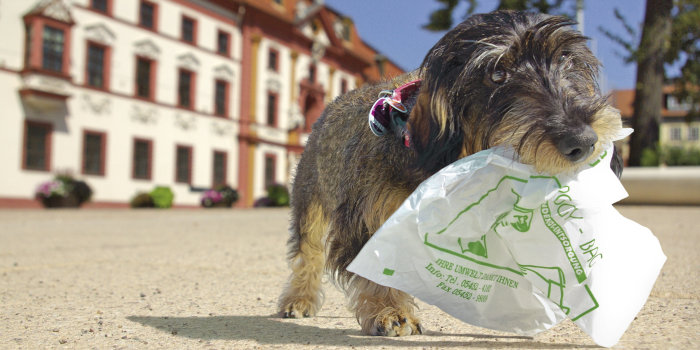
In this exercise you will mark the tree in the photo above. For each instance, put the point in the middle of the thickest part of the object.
(648, 99)
(684, 45)
(441, 19)
(669, 34)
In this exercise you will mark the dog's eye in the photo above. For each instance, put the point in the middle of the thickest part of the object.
(499, 76)
(565, 60)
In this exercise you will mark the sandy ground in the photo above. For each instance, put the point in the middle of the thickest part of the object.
(188, 279)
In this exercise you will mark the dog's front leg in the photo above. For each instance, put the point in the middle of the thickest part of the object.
(382, 310)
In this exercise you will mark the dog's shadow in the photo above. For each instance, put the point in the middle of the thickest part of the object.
(272, 330)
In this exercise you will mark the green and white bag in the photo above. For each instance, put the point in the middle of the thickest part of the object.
(493, 243)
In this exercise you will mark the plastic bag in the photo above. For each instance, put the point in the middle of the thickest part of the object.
(493, 243)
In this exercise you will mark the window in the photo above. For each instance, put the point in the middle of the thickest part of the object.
(312, 73)
(694, 133)
(142, 159)
(148, 15)
(223, 43)
(219, 168)
(189, 30)
(145, 77)
(97, 66)
(53, 49)
(27, 44)
(270, 160)
(272, 57)
(343, 86)
(100, 5)
(675, 134)
(183, 164)
(37, 146)
(94, 153)
(221, 98)
(185, 89)
(271, 109)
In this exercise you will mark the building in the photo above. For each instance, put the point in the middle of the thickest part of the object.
(131, 94)
(675, 128)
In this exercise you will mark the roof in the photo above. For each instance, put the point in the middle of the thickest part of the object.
(375, 65)
(624, 101)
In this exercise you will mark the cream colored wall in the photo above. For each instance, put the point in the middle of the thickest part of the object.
(119, 115)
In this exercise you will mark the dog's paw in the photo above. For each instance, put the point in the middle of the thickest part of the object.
(394, 324)
(298, 308)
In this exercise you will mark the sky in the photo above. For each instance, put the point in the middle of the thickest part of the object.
(393, 27)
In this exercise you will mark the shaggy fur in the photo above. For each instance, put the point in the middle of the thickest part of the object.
(504, 78)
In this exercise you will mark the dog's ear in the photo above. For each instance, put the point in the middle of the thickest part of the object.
(435, 134)
(616, 162)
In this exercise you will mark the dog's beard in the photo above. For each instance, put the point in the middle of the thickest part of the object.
(535, 147)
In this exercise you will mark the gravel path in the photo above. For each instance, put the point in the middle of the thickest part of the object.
(189, 279)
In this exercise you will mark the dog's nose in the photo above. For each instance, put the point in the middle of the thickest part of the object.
(578, 146)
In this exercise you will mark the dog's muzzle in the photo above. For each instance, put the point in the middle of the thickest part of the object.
(577, 146)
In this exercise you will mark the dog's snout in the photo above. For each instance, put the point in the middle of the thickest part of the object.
(578, 146)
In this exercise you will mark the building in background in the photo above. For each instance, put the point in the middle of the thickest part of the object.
(676, 130)
(133, 94)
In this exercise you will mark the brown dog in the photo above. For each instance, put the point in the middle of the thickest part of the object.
(504, 78)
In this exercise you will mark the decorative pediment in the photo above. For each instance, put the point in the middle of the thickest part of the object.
(223, 72)
(221, 129)
(147, 48)
(306, 10)
(96, 105)
(144, 115)
(185, 122)
(188, 61)
(100, 33)
(54, 9)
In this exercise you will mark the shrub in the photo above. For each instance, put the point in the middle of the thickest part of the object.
(671, 156)
(278, 194)
(650, 157)
(142, 200)
(162, 197)
(263, 202)
(221, 196)
(229, 193)
(681, 156)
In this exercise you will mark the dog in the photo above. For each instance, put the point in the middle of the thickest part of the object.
(523, 80)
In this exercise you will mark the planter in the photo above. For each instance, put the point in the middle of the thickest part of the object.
(70, 201)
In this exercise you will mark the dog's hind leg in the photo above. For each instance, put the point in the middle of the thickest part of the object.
(303, 296)
(382, 310)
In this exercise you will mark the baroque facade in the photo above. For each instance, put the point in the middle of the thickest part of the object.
(133, 94)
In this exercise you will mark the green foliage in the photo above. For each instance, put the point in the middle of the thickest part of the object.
(142, 200)
(681, 156)
(229, 194)
(682, 48)
(162, 197)
(650, 157)
(671, 156)
(441, 19)
(82, 191)
(278, 195)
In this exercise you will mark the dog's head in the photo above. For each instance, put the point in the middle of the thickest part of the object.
(512, 78)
